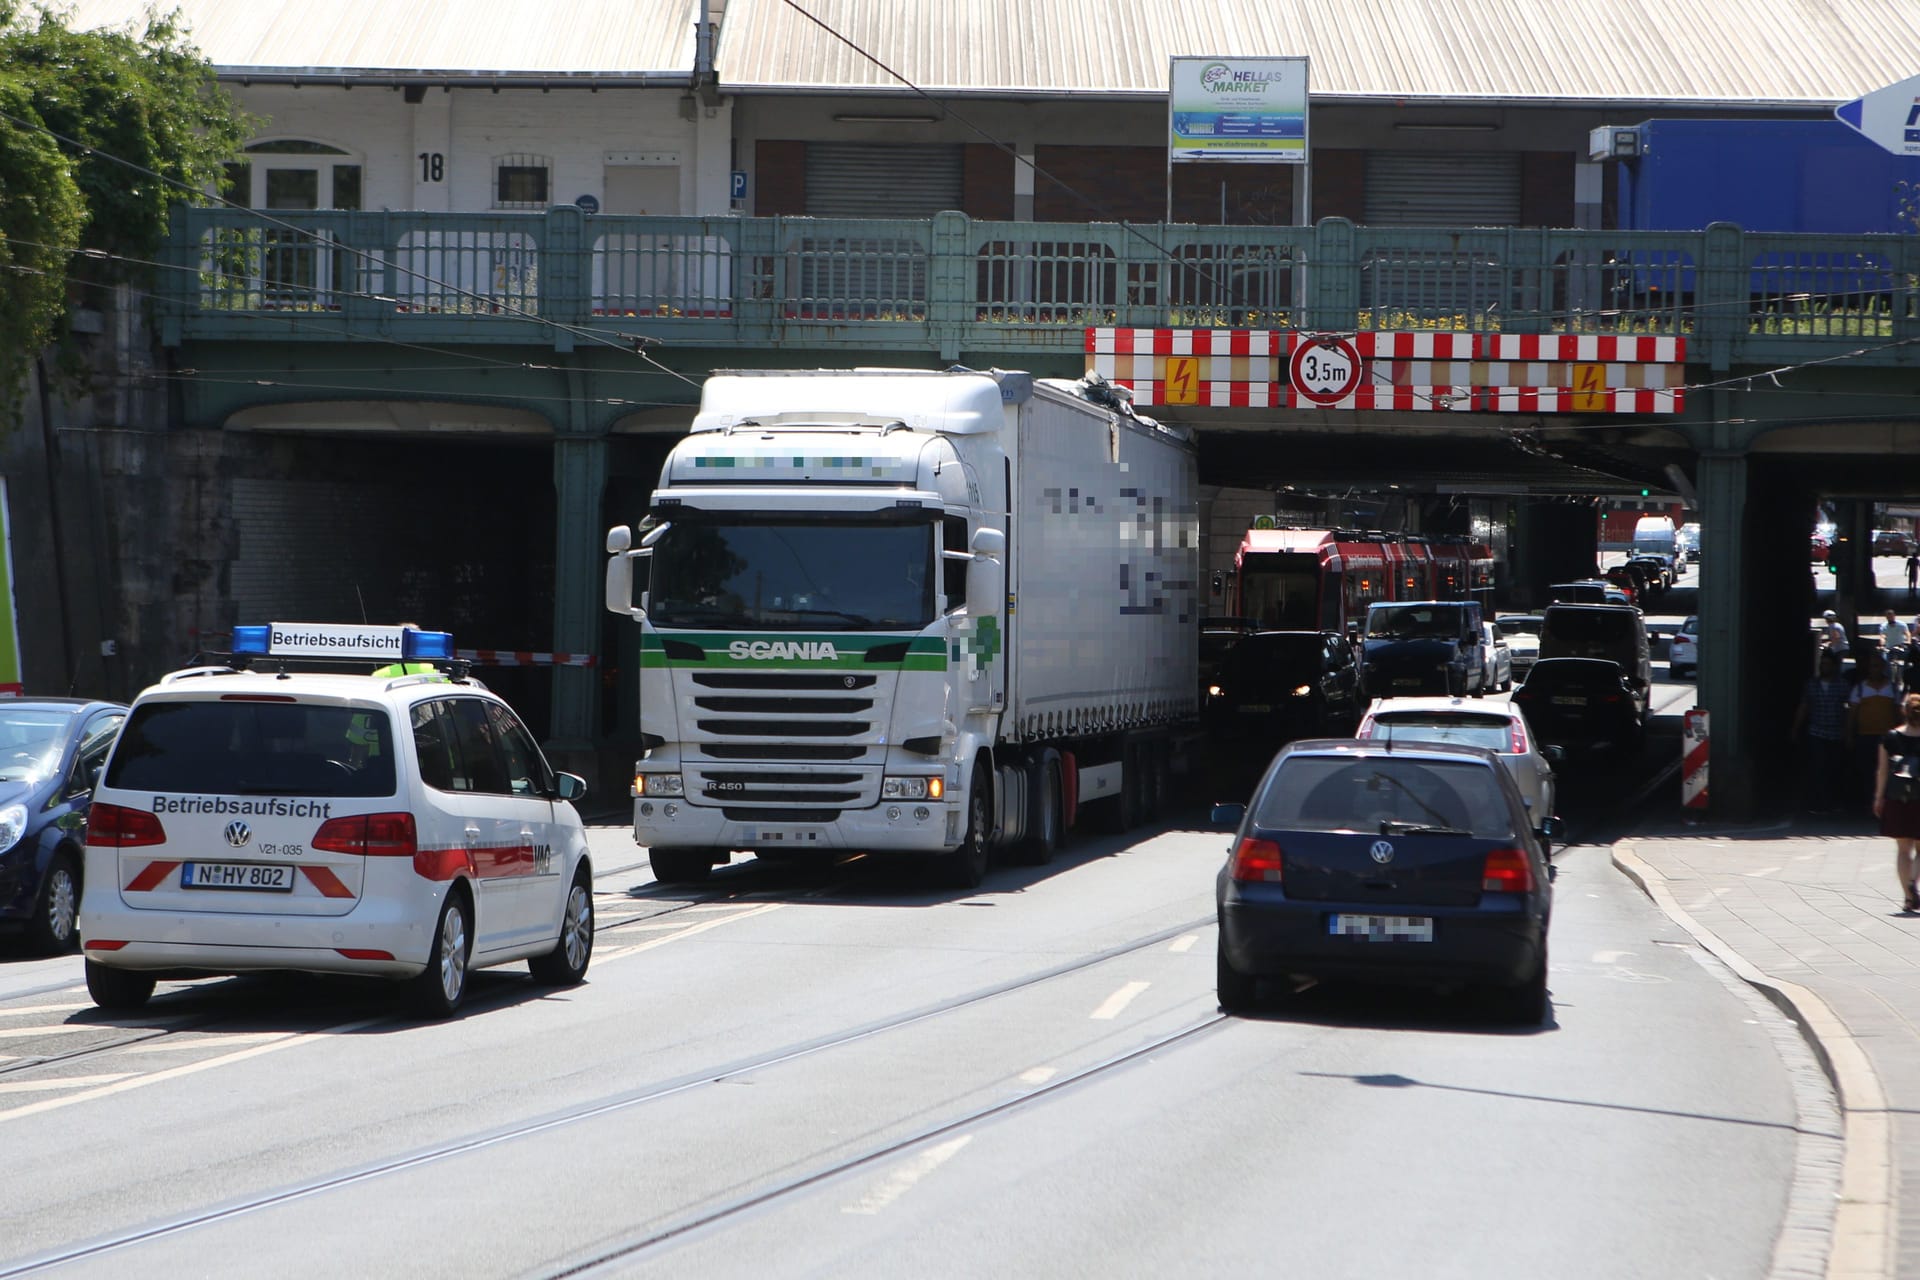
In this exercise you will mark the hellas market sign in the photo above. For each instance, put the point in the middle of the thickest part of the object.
(1246, 110)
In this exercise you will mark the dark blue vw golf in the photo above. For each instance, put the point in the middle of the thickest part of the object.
(51, 751)
(1386, 862)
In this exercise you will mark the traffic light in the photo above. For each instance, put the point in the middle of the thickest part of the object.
(1646, 493)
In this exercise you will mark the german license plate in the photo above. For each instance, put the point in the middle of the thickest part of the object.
(1407, 682)
(236, 875)
(1566, 701)
(1382, 928)
(1255, 708)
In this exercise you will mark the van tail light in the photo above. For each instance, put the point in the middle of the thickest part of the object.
(369, 835)
(114, 826)
(1507, 871)
(1256, 860)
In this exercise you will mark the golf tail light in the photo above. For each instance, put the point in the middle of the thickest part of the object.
(369, 835)
(1256, 860)
(114, 826)
(1507, 871)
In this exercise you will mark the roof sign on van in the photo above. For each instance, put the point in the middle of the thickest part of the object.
(337, 640)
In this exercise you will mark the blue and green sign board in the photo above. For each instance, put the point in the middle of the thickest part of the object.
(1240, 110)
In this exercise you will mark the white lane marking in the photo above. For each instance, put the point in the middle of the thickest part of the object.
(69, 1082)
(902, 1180)
(706, 906)
(1609, 957)
(620, 953)
(23, 1010)
(1038, 1075)
(175, 1044)
(1111, 1007)
(638, 924)
(1183, 943)
(1762, 871)
(187, 1069)
(51, 1029)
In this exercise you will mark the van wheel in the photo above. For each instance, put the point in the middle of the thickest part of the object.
(440, 987)
(120, 990)
(52, 930)
(566, 964)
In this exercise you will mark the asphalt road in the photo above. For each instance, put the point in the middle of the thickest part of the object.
(839, 1071)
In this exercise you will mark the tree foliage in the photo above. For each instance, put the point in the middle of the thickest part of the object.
(101, 134)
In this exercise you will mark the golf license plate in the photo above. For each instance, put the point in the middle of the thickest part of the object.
(1382, 928)
(236, 875)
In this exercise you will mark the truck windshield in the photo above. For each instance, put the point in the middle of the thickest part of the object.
(793, 575)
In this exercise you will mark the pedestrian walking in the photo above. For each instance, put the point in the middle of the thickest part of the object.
(1895, 636)
(1873, 708)
(1820, 726)
(1896, 797)
(1913, 573)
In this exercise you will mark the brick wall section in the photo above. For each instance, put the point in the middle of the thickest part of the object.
(1253, 194)
(779, 177)
(987, 182)
(1546, 189)
(1119, 183)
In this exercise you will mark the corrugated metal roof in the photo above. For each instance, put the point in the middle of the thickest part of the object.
(1669, 51)
(608, 39)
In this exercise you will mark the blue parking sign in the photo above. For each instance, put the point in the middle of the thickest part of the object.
(738, 188)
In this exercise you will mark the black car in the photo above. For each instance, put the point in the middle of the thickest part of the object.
(1658, 569)
(51, 752)
(1401, 863)
(1584, 706)
(1274, 686)
(1218, 634)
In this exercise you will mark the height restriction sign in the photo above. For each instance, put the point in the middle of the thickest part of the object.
(1325, 369)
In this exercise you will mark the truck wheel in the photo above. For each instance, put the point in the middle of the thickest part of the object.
(966, 866)
(680, 866)
(1045, 816)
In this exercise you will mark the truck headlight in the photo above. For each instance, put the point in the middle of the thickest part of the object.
(659, 784)
(912, 788)
(13, 825)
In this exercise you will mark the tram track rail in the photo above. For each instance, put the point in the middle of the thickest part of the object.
(587, 1112)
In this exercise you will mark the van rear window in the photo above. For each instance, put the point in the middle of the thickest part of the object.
(255, 749)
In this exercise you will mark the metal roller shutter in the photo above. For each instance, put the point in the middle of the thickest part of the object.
(1436, 189)
(882, 180)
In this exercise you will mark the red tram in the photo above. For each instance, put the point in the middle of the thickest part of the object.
(1324, 579)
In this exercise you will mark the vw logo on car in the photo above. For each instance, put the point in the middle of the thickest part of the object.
(1382, 851)
(238, 833)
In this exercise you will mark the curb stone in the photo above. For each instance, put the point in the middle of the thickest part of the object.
(1860, 1236)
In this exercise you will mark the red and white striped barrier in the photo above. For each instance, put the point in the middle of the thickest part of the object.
(1693, 760)
(522, 658)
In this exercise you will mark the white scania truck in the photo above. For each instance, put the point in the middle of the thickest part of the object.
(938, 614)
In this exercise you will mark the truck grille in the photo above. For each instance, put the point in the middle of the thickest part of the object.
(778, 719)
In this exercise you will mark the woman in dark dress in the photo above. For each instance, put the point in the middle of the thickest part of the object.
(1896, 795)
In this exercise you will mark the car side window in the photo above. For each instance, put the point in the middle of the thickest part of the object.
(433, 742)
(95, 741)
(526, 770)
(481, 756)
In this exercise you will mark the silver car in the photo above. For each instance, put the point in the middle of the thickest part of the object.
(1499, 659)
(1499, 727)
(1522, 634)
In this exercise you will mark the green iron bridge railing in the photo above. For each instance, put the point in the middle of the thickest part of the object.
(950, 284)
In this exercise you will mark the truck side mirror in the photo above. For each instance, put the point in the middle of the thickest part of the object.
(619, 584)
(990, 543)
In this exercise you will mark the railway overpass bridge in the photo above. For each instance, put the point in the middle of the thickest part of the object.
(1762, 372)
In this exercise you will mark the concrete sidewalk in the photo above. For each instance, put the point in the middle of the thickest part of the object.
(1808, 911)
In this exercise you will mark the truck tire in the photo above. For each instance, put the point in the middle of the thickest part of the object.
(680, 866)
(1046, 816)
(966, 867)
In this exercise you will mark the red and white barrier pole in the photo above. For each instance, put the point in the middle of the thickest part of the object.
(1693, 760)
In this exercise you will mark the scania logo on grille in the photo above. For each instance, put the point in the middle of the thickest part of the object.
(238, 833)
(848, 681)
(1382, 851)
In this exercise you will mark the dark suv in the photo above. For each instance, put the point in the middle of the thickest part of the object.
(1275, 686)
(1425, 646)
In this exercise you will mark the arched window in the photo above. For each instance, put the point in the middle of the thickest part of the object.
(293, 173)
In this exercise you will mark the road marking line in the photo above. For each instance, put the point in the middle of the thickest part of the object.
(1761, 871)
(706, 906)
(902, 1180)
(23, 1010)
(1183, 943)
(1119, 1000)
(204, 1042)
(1609, 957)
(634, 924)
(69, 1082)
(51, 1029)
(620, 953)
(1038, 1075)
(191, 1068)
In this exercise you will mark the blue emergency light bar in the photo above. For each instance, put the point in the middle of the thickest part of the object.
(333, 640)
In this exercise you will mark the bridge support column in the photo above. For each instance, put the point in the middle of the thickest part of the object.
(580, 482)
(1722, 485)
